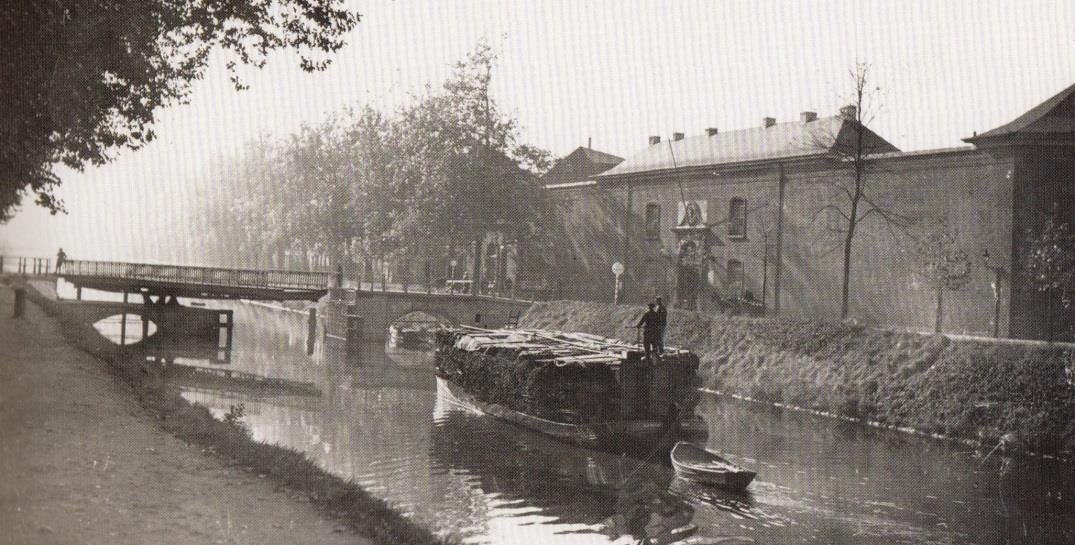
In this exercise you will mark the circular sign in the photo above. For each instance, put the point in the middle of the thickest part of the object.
(617, 268)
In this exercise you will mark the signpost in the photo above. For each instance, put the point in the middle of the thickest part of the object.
(617, 269)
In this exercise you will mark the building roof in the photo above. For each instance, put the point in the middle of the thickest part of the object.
(778, 141)
(599, 157)
(580, 165)
(1054, 117)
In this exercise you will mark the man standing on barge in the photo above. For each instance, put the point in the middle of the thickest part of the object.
(651, 331)
(662, 322)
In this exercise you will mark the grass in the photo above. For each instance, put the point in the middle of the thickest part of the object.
(969, 389)
(342, 500)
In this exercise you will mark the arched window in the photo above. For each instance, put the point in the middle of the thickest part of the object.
(735, 278)
(737, 218)
(653, 221)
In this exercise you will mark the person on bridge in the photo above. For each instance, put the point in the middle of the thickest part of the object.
(651, 331)
(61, 257)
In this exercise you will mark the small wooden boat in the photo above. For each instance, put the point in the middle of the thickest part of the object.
(703, 466)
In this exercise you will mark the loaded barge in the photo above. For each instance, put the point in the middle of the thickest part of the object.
(584, 389)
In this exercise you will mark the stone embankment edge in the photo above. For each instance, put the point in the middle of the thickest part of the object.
(340, 499)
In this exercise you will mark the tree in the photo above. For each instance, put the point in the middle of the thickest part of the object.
(471, 175)
(82, 79)
(944, 264)
(1049, 263)
(854, 148)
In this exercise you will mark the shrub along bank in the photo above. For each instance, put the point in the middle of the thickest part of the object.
(961, 388)
(343, 500)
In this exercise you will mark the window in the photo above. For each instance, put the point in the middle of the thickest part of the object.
(653, 221)
(735, 278)
(737, 218)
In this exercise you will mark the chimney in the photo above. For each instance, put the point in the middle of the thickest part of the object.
(848, 112)
(807, 117)
(768, 122)
(711, 131)
(654, 140)
(677, 136)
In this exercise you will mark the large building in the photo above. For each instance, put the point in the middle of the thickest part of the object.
(761, 214)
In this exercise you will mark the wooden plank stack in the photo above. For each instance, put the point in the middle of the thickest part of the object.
(567, 377)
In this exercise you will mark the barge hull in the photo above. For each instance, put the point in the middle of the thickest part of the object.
(646, 436)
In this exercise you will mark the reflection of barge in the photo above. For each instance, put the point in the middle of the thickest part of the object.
(588, 390)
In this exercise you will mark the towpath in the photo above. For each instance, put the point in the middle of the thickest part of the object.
(82, 462)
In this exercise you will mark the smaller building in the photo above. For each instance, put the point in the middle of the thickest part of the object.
(579, 166)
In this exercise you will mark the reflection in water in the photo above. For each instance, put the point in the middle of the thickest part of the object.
(379, 421)
(124, 329)
(573, 489)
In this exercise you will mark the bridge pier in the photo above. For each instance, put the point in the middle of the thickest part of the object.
(311, 331)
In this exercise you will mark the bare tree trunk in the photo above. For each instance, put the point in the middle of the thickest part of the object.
(939, 318)
(477, 276)
(847, 276)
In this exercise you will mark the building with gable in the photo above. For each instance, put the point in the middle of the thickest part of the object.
(712, 220)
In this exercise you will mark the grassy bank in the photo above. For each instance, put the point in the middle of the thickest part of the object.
(970, 389)
(339, 499)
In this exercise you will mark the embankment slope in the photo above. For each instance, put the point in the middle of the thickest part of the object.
(977, 390)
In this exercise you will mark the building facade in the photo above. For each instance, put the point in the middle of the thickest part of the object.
(757, 218)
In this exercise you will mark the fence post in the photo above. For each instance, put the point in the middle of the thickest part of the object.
(20, 303)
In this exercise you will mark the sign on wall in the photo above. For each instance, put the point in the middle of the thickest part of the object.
(692, 214)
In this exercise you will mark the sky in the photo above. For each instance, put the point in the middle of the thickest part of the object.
(613, 73)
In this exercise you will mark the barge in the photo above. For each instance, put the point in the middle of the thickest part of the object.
(583, 389)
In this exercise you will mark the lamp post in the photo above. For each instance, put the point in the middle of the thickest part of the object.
(617, 269)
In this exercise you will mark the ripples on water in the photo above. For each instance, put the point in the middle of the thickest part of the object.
(381, 422)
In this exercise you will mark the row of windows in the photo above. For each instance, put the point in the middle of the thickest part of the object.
(737, 219)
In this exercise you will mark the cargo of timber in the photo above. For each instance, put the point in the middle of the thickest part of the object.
(584, 389)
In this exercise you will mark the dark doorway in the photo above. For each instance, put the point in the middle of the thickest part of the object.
(687, 282)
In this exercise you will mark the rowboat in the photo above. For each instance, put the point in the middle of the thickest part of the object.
(704, 466)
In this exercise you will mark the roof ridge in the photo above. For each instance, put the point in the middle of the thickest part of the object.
(1030, 117)
(778, 141)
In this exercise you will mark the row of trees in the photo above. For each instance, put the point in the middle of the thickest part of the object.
(433, 177)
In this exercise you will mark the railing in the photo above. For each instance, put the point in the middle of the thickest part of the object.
(213, 276)
(24, 265)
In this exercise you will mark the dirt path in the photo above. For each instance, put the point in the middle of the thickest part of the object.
(81, 462)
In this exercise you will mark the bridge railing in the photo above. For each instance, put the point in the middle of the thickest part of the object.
(24, 265)
(270, 278)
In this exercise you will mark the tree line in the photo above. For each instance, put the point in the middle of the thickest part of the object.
(430, 179)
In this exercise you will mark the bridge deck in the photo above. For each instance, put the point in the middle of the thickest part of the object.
(197, 282)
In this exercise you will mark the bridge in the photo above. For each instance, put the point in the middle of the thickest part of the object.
(196, 282)
(371, 312)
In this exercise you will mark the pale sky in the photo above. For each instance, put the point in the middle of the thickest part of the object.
(615, 72)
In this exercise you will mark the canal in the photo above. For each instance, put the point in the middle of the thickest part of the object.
(380, 421)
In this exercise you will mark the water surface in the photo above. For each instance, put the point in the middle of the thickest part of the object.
(380, 421)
